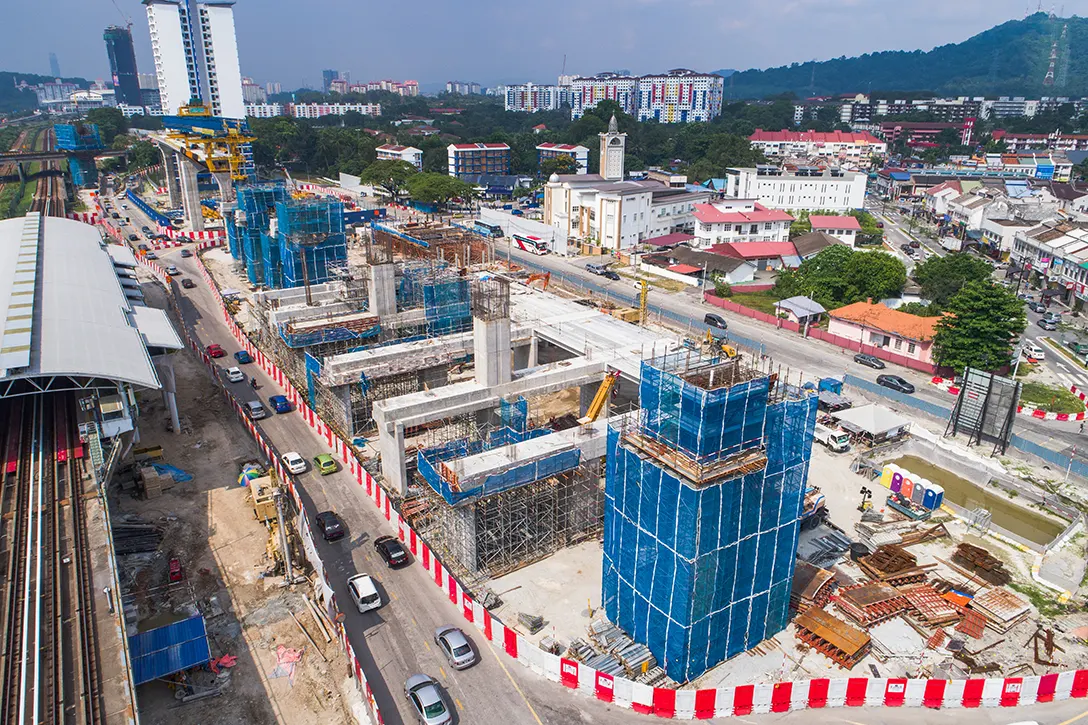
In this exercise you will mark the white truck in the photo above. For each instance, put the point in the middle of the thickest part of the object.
(952, 244)
(835, 439)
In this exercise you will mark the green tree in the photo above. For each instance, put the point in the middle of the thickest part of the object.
(142, 154)
(561, 165)
(439, 188)
(942, 277)
(840, 276)
(110, 121)
(390, 175)
(978, 330)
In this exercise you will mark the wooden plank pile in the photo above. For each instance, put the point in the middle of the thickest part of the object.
(832, 637)
(895, 565)
(982, 563)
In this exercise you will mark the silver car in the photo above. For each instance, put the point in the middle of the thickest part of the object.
(427, 703)
(455, 646)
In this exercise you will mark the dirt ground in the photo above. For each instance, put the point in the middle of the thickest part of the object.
(208, 524)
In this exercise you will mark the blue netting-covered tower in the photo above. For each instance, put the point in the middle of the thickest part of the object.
(254, 210)
(310, 233)
(703, 494)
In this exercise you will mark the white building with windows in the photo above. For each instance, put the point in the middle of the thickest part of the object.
(680, 96)
(1057, 251)
(580, 154)
(392, 152)
(808, 188)
(585, 93)
(739, 220)
(317, 110)
(530, 97)
(196, 54)
(844, 227)
(265, 110)
(843, 148)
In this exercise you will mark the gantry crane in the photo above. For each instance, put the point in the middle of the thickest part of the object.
(196, 129)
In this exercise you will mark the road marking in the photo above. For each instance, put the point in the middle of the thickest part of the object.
(516, 687)
(427, 644)
(443, 671)
(1074, 719)
(459, 705)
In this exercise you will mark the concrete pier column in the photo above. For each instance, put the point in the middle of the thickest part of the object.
(226, 186)
(382, 290)
(170, 171)
(492, 351)
(534, 350)
(391, 447)
(190, 195)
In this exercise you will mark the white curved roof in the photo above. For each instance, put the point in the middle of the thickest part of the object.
(82, 322)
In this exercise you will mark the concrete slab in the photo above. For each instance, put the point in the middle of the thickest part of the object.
(896, 638)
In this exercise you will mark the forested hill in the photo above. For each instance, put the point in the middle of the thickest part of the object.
(1009, 60)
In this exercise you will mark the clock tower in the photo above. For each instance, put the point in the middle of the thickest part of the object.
(613, 147)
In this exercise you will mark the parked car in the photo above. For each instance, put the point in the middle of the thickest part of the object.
(280, 404)
(215, 350)
(330, 526)
(255, 410)
(243, 357)
(895, 383)
(293, 462)
(1047, 324)
(391, 551)
(1033, 351)
(325, 464)
(1053, 316)
(455, 646)
(188, 283)
(186, 253)
(427, 703)
(869, 361)
(915, 244)
(235, 375)
(715, 321)
(364, 593)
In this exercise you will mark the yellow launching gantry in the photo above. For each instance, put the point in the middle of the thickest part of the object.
(215, 145)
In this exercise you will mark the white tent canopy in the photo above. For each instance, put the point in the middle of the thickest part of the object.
(874, 420)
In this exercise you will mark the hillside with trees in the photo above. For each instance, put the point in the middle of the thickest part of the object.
(1009, 59)
(15, 101)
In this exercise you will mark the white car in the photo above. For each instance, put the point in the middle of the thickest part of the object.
(293, 462)
(364, 593)
(235, 375)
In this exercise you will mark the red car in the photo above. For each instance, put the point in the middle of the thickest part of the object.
(215, 350)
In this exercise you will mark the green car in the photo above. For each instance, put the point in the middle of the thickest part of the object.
(325, 464)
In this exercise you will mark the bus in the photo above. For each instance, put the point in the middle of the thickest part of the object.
(488, 230)
(534, 245)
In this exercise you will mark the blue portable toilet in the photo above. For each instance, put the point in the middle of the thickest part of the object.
(934, 497)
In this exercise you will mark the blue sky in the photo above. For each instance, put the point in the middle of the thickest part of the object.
(493, 41)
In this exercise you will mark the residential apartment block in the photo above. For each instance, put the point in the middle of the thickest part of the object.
(391, 152)
(317, 110)
(468, 159)
(530, 97)
(676, 96)
(464, 88)
(844, 149)
(800, 188)
(267, 110)
(552, 150)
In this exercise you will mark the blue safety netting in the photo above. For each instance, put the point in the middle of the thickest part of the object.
(256, 206)
(702, 573)
(704, 424)
(428, 460)
(446, 306)
(77, 137)
(514, 413)
(299, 226)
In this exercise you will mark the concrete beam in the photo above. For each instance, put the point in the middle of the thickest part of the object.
(190, 194)
(170, 170)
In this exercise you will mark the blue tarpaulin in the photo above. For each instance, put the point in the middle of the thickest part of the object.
(165, 650)
(177, 474)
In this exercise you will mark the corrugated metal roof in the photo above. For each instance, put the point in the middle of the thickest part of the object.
(165, 650)
(18, 281)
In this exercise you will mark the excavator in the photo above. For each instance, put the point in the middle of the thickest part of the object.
(599, 400)
(716, 343)
(544, 277)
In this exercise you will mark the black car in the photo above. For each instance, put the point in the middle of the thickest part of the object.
(895, 383)
(330, 525)
(391, 550)
(715, 321)
(133, 237)
(609, 274)
(869, 361)
(186, 253)
(188, 283)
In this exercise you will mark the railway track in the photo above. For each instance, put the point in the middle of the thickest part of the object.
(48, 197)
(49, 665)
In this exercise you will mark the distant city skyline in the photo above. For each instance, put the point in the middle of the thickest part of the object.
(510, 43)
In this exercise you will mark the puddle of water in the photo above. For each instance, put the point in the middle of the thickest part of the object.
(1021, 521)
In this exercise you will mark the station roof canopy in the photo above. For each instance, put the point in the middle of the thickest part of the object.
(67, 323)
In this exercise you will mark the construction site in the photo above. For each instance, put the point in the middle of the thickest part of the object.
(673, 479)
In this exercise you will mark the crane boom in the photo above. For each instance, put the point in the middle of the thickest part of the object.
(599, 400)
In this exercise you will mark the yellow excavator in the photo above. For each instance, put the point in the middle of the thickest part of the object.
(715, 344)
(599, 400)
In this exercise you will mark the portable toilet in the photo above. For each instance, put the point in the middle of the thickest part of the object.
(886, 474)
(906, 490)
(934, 497)
(919, 493)
(897, 481)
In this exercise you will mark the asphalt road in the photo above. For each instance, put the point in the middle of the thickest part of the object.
(395, 641)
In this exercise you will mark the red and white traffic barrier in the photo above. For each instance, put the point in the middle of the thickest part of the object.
(87, 217)
(191, 236)
(949, 387)
(325, 190)
(739, 700)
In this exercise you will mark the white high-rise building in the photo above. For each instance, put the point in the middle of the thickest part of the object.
(196, 54)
